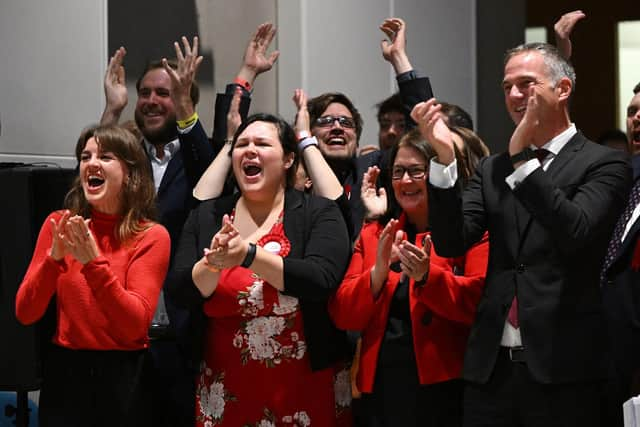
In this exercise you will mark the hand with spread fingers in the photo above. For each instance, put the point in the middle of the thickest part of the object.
(255, 59)
(373, 199)
(182, 78)
(563, 29)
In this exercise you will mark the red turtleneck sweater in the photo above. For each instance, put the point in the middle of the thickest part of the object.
(106, 304)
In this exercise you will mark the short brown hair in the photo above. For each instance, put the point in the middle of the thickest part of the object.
(138, 192)
(319, 104)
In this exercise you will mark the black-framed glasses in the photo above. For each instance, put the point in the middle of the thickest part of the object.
(415, 172)
(344, 121)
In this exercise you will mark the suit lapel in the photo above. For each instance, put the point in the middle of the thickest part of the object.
(559, 163)
(557, 166)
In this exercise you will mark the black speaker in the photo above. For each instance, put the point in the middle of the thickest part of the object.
(28, 194)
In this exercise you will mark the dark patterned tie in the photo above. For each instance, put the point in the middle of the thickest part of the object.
(512, 317)
(616, 238)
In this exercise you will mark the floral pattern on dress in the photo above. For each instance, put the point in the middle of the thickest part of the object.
(211, 399)
(251, 301)
(267, 339)
(299, 419)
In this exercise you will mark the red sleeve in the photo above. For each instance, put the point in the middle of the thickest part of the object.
(352, 305)
(130, 306)
(452, 296)
(39, 283)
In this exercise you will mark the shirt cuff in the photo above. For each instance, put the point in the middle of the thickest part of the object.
(521, 173)
(441, 176)
(406, 76)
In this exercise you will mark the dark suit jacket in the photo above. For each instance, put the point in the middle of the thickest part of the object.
(175, 201)
(547, 241)
(319, 256)
(621, 297)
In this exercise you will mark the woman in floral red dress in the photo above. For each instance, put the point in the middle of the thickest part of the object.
(272, 256)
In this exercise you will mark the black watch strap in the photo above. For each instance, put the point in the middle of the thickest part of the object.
(523, 156)
(251, 255)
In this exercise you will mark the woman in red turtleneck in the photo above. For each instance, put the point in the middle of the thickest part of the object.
(104, 260)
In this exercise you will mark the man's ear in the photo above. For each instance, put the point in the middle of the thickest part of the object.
(564, 88)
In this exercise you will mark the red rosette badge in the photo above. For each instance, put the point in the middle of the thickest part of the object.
(276, 242)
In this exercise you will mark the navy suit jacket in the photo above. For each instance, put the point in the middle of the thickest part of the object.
(175, 200)
(621, 297)
(547, 241)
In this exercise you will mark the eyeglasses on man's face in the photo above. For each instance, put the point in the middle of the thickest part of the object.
(415, 172)
(344, 121)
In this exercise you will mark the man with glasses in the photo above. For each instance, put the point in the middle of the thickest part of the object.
(337, 125)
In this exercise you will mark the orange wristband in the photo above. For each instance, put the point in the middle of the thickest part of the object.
(242, 82)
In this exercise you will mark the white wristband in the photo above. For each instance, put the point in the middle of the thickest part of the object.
(310, 140)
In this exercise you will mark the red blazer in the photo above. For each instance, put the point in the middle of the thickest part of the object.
(442, 310)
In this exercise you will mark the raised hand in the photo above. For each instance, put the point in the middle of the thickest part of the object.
(432, 127)
(115, 88)
(389, 238)
(234, 119)
(255, 60)
(414, 261)
(182, 78)
(80, 240)
(302, 116)
(373, 199)
(59, 248)
(394, 49)
(563, 28)
(529, 130)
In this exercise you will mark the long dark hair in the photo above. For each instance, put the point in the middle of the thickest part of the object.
(138, 191)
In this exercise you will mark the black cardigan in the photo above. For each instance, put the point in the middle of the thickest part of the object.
(319, 256)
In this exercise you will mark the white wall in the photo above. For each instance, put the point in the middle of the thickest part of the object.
(54, 55)
(334, 45)
(53, 59)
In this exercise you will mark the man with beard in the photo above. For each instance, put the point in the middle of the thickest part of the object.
(179, 152)
(337, 124)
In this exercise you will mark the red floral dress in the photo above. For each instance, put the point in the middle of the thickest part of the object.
(256, 370)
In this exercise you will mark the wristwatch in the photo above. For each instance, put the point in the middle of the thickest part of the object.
(523, 156)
